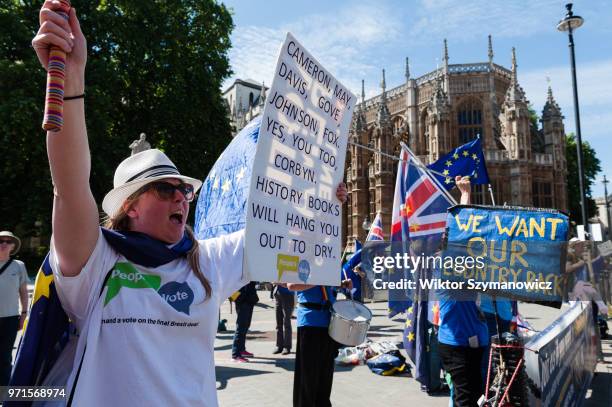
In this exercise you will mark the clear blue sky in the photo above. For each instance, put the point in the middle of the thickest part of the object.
(356, 39)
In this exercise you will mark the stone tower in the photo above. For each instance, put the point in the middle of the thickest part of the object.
(554, 144)
(516, 137)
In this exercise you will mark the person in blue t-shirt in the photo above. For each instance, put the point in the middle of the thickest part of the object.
(316, 350)
(463, 334)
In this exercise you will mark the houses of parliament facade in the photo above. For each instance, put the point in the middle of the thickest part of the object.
(437, 112)
(433, 114)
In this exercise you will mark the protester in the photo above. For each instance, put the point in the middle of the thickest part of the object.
(316, 350)
(285, 302)
(13, 290)
(143, 294)
(245, 302)
(463, 334)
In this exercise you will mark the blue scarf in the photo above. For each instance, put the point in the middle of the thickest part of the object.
(144, 250)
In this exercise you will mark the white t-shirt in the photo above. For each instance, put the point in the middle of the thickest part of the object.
(11, 280)
(150, 335)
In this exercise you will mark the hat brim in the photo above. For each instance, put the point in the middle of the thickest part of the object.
(116, 197)
(17, 245)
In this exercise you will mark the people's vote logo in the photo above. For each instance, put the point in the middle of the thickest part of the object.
(126, 275)
(178, 295)
(304, 270)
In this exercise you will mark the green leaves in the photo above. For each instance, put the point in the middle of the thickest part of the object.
(153, 66)
(591, 165)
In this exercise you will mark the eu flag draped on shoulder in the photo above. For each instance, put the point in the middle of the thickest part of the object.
(467, 159)
(45, 335)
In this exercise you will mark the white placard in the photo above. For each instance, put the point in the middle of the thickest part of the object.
(594, 230)
(294, 220)
(605, 249)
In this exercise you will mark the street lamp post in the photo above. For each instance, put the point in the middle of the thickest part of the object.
(607, 206)
(569, 24)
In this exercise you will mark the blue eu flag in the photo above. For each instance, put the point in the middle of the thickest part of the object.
(467, 159)
(221, 205)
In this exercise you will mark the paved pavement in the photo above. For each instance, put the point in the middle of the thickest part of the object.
(267, 380)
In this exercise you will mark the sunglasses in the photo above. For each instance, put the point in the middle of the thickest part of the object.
(6, 242)
(165, 190)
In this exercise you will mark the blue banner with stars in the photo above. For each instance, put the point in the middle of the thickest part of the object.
(221, 205)
(465, 160)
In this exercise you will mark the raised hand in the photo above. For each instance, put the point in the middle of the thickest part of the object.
(65, 34)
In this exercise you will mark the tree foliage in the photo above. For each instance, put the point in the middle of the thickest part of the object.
(154, 66)
(591, 165)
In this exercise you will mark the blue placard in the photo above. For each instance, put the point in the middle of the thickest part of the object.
(520, 252)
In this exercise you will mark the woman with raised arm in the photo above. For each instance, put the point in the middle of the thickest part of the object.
(143, 293)
(463, 333)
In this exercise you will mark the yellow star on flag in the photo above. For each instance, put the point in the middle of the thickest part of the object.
(226, 186)
(447, 180)
(465, 153)
(240, 174)
(455, 156)
(445, 172)
(41, 286)
(408, 322)
(410, 309)
(410, 336)
(449, 163)
(474, 156)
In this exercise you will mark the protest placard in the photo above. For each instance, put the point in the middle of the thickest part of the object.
(522, 251)
(560, 361)
(605, 249)
(294, 220)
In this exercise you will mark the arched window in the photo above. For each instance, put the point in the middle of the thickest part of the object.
(469, 120)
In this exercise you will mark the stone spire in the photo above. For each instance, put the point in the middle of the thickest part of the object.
(490, 54)
(359, 123)
(363, 93)
(407, 70)
(262, 94)
(383, 116)
(515, 93)
(446, 75)
(445, 52)
(551, 107)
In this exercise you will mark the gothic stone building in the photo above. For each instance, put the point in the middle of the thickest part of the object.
(441, 110)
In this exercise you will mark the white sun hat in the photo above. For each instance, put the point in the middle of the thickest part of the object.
(138, 170)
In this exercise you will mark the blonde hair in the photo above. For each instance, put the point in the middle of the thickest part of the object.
(121, 222)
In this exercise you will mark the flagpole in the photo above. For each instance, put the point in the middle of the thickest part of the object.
(491, 192)
(428, 172)
(420, 164)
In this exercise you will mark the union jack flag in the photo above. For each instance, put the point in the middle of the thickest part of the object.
(426, 202)
(376, 230)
